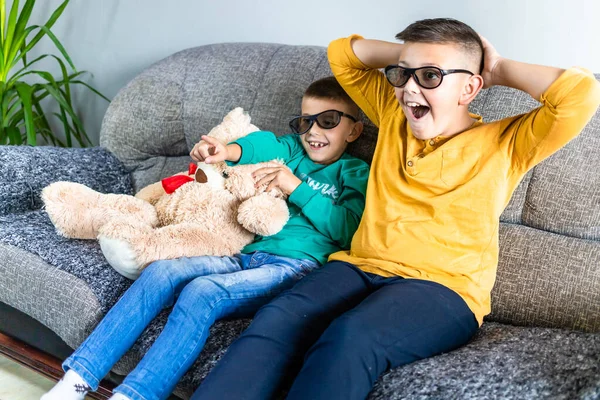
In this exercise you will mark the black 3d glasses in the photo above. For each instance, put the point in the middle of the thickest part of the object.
(327, 120)
(426, 77)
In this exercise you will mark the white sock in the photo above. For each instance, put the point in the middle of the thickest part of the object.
(119, 396)
(70, 387)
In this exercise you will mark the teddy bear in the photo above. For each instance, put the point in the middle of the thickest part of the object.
(211, 209)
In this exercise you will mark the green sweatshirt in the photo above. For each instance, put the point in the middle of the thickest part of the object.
(325, 209)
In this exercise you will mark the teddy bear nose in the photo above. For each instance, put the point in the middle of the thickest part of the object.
(200, 176)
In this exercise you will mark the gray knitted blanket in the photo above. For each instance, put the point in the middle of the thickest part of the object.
(24, 173)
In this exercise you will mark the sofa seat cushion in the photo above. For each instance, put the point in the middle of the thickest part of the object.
(504, 362)
(34, 232)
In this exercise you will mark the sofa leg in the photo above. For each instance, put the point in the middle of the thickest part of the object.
(43, 363)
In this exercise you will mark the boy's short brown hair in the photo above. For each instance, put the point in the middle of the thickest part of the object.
(330, 88)
(445, 30)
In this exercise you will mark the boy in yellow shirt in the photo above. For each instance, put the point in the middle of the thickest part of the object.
(417, 279)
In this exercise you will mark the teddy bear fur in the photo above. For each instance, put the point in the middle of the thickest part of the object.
(216, 214)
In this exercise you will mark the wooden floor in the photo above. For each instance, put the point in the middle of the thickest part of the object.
(21, 361)
(26, 373)
(20, 383)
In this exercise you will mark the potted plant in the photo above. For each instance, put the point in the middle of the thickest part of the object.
(25, 90)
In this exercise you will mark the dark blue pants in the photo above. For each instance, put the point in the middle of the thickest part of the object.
(341, 328)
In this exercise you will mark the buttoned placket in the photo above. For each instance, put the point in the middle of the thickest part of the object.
(411, 166)
(412, 163)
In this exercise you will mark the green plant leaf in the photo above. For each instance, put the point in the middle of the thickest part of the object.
(21, 106)
(57, 13)
(44, 127)
(67, 98)
(1, 60)
(21, 30)
(2, 21)
(8, 99)
(17, 47)
(22, 48)
(92, 89)
(44, 75)
(14, 135)
(65, 75)
(24, 17)
(59, 97)
(10, 30)
(57, 43)
(18, 74)
(69, 130)
(1, 48)
(11, 104)
(25, 92)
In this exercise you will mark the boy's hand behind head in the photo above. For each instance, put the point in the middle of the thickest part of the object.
(491, 59)
(209, 150)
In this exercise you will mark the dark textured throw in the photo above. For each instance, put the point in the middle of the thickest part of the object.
(32, 231)
(504, 362)
(25, 171)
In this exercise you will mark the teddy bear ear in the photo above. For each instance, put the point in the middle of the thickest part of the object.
(200, 176)
(235, 124)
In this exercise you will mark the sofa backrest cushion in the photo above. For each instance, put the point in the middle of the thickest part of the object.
(561, 194)
(548, 271)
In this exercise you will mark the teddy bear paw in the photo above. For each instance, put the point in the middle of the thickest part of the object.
(263, 214)
(121, 256)
(73, 209)
(117, 241)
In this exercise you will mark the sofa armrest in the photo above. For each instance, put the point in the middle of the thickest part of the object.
(26, 170)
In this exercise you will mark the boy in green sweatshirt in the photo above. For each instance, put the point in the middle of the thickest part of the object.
(326, 189)
(326, 186)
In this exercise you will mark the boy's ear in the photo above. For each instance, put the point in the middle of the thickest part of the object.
(356, 132)
(470, 90)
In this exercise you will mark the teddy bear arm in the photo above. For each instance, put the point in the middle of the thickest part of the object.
(188, 239)
(263, 214)
(78, 211)
(151, 193)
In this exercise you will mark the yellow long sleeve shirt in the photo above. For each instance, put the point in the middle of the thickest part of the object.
(433, 207)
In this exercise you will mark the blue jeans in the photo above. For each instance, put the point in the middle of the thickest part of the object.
(203, 290)
(336, 332)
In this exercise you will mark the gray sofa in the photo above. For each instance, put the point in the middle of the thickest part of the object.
(542, 340)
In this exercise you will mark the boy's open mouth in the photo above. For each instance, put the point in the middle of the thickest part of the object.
(316, 145)
(417, 110)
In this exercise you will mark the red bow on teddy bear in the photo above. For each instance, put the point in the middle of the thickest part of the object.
(173, 183)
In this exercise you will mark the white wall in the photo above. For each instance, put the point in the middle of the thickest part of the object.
(116, 39)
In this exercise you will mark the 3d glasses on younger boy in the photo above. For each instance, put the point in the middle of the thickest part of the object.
(327, 120)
